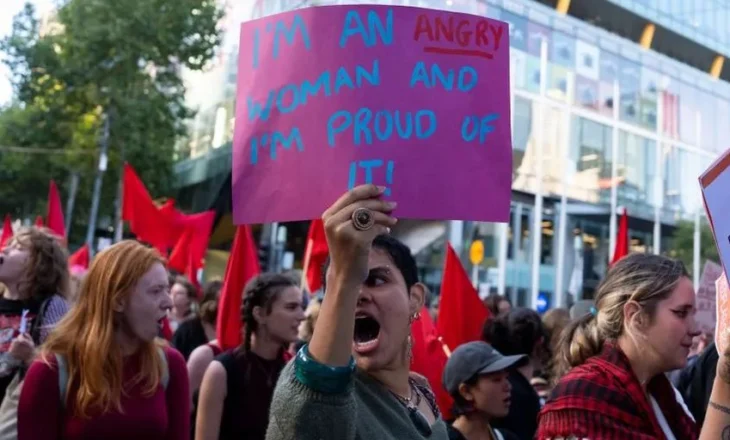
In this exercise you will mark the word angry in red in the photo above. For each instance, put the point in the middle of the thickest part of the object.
(476, 37)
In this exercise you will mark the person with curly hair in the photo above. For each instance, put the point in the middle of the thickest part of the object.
(238, 385)
(34, 270)
(519, 332)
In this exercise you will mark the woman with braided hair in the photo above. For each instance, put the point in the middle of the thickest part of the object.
(238, 385)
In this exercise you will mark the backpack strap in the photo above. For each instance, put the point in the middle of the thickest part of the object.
(63, 374)
(165, 379)
(62, 378)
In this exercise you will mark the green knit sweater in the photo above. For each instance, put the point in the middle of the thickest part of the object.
(366, 411)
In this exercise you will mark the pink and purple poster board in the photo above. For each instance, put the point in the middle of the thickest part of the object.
(413, 99)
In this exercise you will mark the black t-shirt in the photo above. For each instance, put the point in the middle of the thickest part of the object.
(11, 316)
(524, 409)
(695, 382)
(189, 335)
(455, 434)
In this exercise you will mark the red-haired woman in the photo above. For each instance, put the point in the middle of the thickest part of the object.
(102, 374)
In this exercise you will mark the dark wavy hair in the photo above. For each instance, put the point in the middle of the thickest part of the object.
(398, 252)
(209, 304)
(518, 332)
(47, 271)
(261, 291)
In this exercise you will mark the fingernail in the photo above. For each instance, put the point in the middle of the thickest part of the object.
(381, 189)
(392, 205)
(387, 230)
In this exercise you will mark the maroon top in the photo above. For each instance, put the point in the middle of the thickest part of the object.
(162, 416)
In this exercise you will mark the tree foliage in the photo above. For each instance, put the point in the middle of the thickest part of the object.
(683, 245)
(121, 58)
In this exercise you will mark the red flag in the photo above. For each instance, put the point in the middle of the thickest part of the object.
(461, 312)
(315, 255)
(180, 254)
(141, 212)
(80, 258)
(429, 359)
(54, 211)
(243, 264)
(39, 222)
(7, 233)
(622, 239)
(166, 329)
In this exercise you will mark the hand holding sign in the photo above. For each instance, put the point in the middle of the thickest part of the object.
(416, 100)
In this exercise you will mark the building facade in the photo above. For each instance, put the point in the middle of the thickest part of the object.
(615, 104)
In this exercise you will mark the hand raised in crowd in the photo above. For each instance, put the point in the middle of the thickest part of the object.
(351, 224)
(22, 348)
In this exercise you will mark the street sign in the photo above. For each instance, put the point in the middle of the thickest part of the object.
(476, 252)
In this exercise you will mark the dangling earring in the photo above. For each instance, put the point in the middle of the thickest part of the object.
(409, 348)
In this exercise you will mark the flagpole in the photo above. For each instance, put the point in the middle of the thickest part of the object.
(614, 171)
(563, 221)
(537, 213)
(658, 182)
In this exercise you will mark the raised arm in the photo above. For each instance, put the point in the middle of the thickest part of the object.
(313, 398)
(349, 247)
(717, 417)
(210, 402)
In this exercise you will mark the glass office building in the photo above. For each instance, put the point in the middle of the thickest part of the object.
(599, 124)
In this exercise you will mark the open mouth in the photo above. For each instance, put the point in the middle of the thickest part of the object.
(365, 336)
(2, 259)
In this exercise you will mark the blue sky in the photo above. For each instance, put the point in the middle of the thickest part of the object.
(7, 12)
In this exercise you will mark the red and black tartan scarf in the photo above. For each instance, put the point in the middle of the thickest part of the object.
(603, 400)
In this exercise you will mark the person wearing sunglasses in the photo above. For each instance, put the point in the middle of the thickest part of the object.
(352, 380)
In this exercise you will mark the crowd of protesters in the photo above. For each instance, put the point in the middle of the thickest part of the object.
(82, 357)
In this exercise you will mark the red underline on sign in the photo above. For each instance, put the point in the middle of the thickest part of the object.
(452, 51)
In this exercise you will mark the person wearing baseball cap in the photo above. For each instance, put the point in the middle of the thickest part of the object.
(476, 378)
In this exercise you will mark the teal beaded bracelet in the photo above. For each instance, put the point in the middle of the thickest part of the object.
(319, 377)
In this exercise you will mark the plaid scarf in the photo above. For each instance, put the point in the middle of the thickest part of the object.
(603, 399)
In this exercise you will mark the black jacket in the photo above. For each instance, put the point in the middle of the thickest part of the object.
(695, 382)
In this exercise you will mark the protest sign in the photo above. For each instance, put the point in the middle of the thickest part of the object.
(715, 184)
(706, 297)
(415, 100)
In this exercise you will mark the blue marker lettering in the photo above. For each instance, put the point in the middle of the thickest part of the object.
(438, 75)
(343, 79)
(369, 165)
(420, 74)
(256, 111)
(389, 177)
(362, 119)
(431, 116)
(334, 127)
(383, 133)
(467, 134)
(404, 133)
(354, 26)
(286, 142)
(485, 126)
(353, 175)
(289, 34)
(309, 89)
(373, 77)
(294, 101)
(275, 140)
(462, 84)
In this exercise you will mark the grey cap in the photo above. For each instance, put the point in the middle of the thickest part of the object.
(475, 358)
